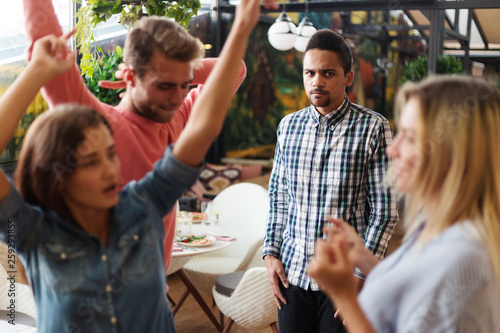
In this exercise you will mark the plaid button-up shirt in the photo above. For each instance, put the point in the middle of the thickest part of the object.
(328, 165)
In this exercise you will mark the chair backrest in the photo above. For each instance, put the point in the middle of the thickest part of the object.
(252, 304)
(25, 302)
(257, 260)
(243, 210)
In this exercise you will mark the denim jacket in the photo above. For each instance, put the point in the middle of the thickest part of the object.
(80, 285)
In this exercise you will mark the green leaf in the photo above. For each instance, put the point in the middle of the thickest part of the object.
(102, 9)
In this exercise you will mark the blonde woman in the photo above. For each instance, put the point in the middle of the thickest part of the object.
(446, 275)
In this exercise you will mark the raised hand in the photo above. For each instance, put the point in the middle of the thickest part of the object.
(358, 254)
(332, 269)
(49, 58)
(51, 55)
(247, 13)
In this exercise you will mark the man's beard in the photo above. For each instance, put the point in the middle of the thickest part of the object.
(316, 102)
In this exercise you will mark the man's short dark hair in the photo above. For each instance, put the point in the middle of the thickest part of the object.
(328, 40)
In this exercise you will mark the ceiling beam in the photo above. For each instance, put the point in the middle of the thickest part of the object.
(480, 30)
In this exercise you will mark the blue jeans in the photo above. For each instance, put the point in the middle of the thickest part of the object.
(171, 328)
(307, 311)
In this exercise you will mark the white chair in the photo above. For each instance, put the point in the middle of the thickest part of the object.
(242, 211)
(251, 305)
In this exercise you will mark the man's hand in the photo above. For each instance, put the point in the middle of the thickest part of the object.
(276, 273)
(116, 84)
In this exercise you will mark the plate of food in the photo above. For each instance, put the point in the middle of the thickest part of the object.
(195, 240)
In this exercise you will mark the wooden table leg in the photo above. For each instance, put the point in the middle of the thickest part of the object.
(180, 302)
(196, 294)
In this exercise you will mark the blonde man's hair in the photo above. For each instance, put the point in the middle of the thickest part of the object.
(159, 35)
(458, 168)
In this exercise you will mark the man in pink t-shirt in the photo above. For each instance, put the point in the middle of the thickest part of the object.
(163, 61)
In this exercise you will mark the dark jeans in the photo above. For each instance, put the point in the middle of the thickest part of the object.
(307, 311)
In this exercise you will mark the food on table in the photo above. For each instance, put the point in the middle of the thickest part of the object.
(193, 239)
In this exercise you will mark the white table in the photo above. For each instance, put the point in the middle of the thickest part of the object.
(180, 258)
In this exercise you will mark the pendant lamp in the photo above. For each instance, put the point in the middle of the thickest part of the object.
(282, 34)
(304, 31)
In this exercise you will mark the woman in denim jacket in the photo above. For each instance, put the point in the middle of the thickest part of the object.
(93, 255)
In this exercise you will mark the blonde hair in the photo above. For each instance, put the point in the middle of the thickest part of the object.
(458, 169)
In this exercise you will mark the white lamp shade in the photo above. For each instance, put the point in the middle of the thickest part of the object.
(282, 34)
(304, 31)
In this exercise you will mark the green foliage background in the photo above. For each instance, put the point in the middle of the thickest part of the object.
(104, 69)
(416, 70)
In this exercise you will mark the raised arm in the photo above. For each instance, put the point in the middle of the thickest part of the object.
(206, 66)
(50, 57)
(358, 254)
(40, 20)
(210, 109)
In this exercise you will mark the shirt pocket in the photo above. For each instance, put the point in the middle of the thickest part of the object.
(138, 251)
(63, 267)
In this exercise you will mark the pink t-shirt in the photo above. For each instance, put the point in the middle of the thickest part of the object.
(140, 142)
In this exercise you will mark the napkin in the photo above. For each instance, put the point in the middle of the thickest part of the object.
(222, 238)
(176, 247)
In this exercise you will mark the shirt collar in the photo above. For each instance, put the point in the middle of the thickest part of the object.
(334, 117)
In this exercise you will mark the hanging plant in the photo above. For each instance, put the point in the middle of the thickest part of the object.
(93, 12)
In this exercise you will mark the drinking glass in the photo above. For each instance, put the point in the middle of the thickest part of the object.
(205, 217)
(186, 222)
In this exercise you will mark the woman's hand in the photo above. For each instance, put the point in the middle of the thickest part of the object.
(358, 254)
(332, 268)
(52, 56)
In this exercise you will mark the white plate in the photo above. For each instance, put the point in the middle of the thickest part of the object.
(211, 240)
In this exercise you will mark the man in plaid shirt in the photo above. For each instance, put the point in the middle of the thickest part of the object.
(330, 160)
